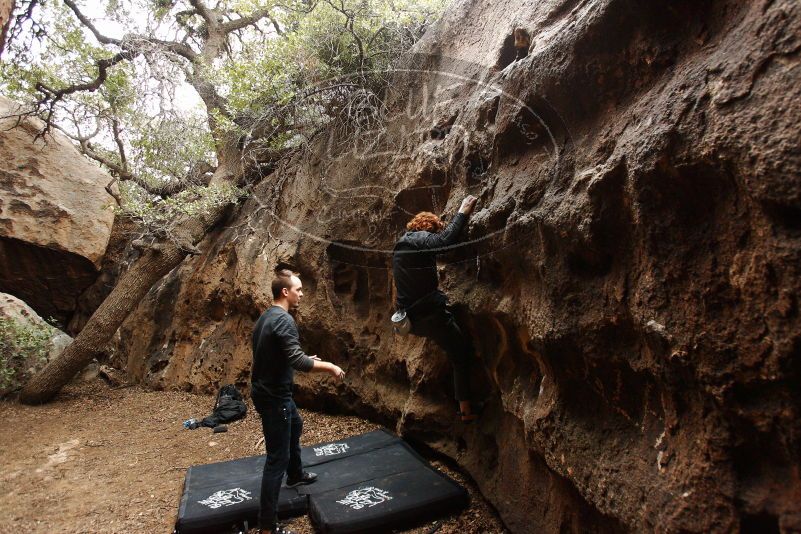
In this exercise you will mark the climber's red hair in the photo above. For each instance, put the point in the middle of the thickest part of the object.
(425, 220)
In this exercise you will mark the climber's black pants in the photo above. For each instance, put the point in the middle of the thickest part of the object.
(440, 326)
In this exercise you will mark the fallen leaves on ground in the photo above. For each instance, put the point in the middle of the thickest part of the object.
(99, 459)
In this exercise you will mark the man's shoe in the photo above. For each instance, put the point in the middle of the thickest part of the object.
(305, 478)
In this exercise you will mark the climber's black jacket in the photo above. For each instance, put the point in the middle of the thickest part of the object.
(414, 265)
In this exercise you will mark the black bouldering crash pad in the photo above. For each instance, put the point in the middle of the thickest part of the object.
(335, 450)
(370, 482)
(223, 496)
(385, 503)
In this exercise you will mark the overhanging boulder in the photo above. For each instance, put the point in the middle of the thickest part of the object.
(55, 217)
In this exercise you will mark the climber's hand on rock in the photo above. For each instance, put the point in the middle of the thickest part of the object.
(468, 205)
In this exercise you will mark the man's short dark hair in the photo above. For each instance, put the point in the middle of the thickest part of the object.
(282, 280)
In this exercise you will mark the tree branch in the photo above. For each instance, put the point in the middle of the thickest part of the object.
(90, 26)
(278, 29)
(203, 11)
(128, 43)
(180, 49)
(53, 96)
(243, 22)
(115, 126)
(121, 171)
(115, 168)
(349, 20)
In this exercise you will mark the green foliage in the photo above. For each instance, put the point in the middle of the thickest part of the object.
(169, 149)
(156, 213)
(161, 137)
(349, 44)
(311, 63)
(65, 57)
(22, 346)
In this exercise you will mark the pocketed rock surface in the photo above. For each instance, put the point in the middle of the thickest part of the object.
(100, 460)
(631, 278)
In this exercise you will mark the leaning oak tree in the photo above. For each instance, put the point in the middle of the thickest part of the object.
(262, 73)
(206, 36)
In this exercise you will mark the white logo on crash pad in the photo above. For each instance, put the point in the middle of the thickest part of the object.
(331, 450)
(228, 497)
(365, 497)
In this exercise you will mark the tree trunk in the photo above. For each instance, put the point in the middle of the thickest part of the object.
(123, 299)
(6, 11)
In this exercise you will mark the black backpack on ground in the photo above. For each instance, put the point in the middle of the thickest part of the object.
(230, 407)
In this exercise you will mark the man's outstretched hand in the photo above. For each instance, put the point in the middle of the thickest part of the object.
(337, 372)
(468, 205)
(327, 367)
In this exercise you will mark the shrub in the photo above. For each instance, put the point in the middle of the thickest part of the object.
(22, 346)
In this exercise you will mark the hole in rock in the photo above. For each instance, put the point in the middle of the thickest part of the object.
(594, 253)
(395, 371)
(514, 47)
(430, 193)
(762, 523)
(507, 54)
(159, 365)
(351, 266)
(351, 281)
(586, 262)
(216, 308)
(440, 131)
(492, 271)
(307, 273)
(284, 265)
(786, 216)
(687, 208)
(29, 274)
(536, 126)
(477, 168)
(355, 254)
(488, 111)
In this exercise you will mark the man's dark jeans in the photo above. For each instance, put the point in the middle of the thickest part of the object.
(440, 326)
(282, 426)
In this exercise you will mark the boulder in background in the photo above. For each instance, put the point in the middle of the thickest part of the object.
(55, 217)
(27, 343)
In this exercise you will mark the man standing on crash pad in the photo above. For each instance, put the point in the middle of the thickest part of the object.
(414, 266)
(276, 355)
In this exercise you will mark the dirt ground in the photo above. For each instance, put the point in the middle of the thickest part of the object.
(105, 460)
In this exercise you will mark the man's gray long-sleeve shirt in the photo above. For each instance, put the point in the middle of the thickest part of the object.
(276, 354)
(414, 262)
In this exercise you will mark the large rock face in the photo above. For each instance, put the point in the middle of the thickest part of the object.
(631, 280)
(55, 218)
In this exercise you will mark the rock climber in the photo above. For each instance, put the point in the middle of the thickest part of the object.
(276, 355)
(414, 267)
